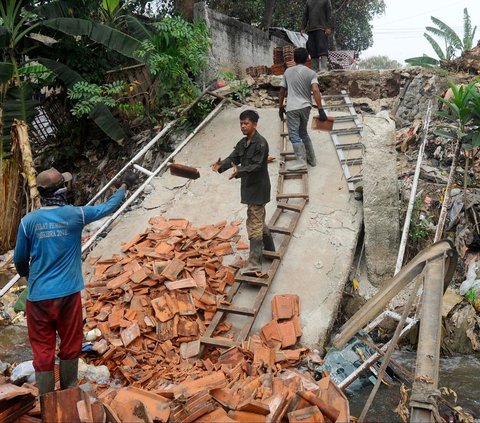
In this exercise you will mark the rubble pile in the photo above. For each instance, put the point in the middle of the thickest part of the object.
(152, 305)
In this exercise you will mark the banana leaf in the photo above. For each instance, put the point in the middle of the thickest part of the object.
(100, 114)
(6, 72)
(137, 29)
(18, 104)
(56, 9)
(424, 61)
(102, 34)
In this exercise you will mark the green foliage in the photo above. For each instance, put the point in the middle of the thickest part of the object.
(241, 92)
(87, 96)
(419, 225)
(462, 115)
(379, 62)
(471, 295)
(453, 44)
(175, 54)
(352, 18)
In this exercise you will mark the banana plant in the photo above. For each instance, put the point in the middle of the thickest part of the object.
(453, 44)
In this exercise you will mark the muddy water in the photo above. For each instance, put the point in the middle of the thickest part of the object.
(460, 373)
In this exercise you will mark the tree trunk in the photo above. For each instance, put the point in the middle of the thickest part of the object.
(268, 14)
(185, 8)
(20, 136)
(18, 189)
(11, 198)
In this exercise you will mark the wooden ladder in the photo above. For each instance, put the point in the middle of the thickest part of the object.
(290, 204)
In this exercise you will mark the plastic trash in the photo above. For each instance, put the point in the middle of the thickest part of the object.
(471, 281)
(24, 372)
(93, 334)
(91, 373)
(340, 364)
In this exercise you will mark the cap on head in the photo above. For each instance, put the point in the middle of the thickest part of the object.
(51, 180)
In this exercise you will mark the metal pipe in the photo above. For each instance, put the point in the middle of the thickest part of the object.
(139, 190)
(146, 148)
(132, 161)
(425, 383)
(413, 193)
(371, 360)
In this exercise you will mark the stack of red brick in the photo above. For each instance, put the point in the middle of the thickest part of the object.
(283, 59)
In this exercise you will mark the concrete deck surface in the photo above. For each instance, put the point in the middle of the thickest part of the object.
(317, 263)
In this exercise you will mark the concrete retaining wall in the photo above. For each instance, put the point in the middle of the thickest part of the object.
(235, 45)
(380, 198)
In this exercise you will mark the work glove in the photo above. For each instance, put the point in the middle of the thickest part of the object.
(282, 113)
(321, 115)
(130, 179)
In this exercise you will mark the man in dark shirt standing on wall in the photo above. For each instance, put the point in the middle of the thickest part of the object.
(317, 23)
(249, 161)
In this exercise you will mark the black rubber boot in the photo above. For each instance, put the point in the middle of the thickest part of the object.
(45, 382)
(68, 373)
(255, 258)
(268, 243)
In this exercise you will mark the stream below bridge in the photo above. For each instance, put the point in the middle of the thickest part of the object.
(461, 373)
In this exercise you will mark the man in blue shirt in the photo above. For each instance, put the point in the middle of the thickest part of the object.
(48, 254)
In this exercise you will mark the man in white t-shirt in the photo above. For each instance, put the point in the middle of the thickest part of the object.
(297, 85)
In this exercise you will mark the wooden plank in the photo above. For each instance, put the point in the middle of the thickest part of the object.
(252, 280)
(286, 206)
(272, 255)
(245, 311)
(279, 230)
(61, 406)
(292, 195)
(217, 342)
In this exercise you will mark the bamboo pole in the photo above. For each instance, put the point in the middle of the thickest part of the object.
(448, 191)
(413, 193)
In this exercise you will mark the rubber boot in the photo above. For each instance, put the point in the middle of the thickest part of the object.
(255, 258)
(315, 64)
(68, 373)
(300, 155)
(45, 382)
(324, 63)
(268, 243)
(311, 159)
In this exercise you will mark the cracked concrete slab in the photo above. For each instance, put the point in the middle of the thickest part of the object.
(317, 263)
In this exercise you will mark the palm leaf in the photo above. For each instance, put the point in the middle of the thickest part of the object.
(449, 32)
(435, 46)
(102, 34)
(137, 29)
(100, 114)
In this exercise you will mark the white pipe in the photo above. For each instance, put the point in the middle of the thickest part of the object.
(212, 114)
(375, 357)
(10, 283)
(413, 193)
(133, 160)
(139, 190)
